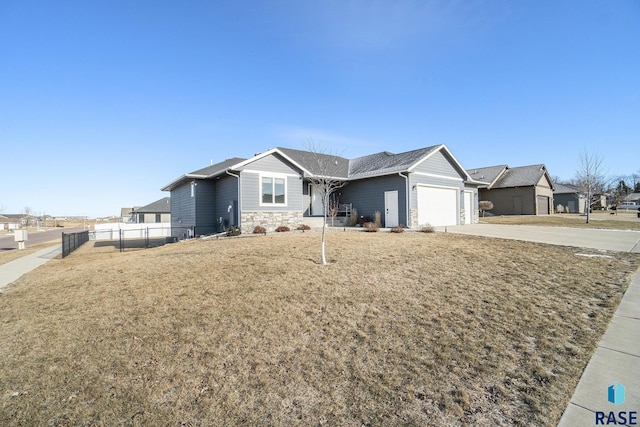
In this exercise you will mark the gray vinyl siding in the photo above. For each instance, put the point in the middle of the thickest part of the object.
(252, 193)
(271, 163)
(367, 195)
(438, 164)
(183, 210)
(226, 193)
(205, 207)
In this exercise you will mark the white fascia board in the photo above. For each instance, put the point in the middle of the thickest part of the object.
(265, 154)
(171, 185)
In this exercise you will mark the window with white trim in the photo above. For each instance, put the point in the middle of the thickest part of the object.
(273, 191)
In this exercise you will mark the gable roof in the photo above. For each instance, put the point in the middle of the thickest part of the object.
(311, 164)
(522, 176)
(503, 176)
(159, 206)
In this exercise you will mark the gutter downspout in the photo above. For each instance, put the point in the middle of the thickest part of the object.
(239, 198)
(406, 196)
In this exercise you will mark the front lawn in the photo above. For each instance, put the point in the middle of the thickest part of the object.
(399, 329)
(598, 220)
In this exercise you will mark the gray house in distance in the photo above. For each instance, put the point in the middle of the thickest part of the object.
(419, 187)
(572, 198)
(524, 190)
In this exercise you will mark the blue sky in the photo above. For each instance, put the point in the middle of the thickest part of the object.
(104, 102)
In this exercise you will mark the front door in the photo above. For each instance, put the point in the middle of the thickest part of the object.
(468, 207)
(316, 202)
(390, 208)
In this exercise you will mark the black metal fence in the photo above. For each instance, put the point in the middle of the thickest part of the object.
(72, 241)
(139, 238)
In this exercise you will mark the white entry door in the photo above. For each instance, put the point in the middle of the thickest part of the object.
(390, 208)
(468, 207)
(316, 202)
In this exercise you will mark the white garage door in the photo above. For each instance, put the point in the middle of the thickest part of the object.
(437, 206)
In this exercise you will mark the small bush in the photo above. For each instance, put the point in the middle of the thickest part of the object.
(353, 219)
(303, 227)
(398, 229)
(233, 231)
(282, 229)
(377, 219)
(364, 219)
(259, 230)
(370, 227)
(428, 229)
(559, 209)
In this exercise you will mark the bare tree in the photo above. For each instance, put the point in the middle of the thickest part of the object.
(325, 178)
(590, 176)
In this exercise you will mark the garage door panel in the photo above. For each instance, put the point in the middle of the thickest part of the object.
(437, 206)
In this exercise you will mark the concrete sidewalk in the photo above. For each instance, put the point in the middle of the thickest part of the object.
(12, 271)
(617, 359)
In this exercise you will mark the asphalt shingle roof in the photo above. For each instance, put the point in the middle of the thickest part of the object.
(487, 174)
(218, 168)
(318, 163)
(159, 206)
(522, 176)
(386, 162)
(567, 189)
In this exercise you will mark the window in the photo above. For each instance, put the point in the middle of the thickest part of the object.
(273, 190)
(158, 217)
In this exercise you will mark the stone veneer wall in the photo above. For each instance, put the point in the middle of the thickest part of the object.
(414, 218)
(270, 220)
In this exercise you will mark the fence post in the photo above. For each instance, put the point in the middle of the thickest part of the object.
(120, 234)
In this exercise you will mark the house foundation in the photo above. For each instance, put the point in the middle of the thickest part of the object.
(270, 220)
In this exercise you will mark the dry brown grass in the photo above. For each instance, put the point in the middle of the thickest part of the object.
(399, 329)
(576, 221)
(9, 255)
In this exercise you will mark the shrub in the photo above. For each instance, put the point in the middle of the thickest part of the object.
(377, 219)
(282, 229)
(559, 209)
(259, 230)
(427, 229)
(485, 205)
(364, 219)
(303, 227)
(353, 219)
(233, 231)
(370, 227)
(398, 229)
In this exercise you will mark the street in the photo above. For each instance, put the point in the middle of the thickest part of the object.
(7, 242)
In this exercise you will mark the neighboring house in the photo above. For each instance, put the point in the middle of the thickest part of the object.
(633, 198)
(126, 214)
(524, 190)
(156, 212)
(419, 187)
(9, 223)
(572, 198)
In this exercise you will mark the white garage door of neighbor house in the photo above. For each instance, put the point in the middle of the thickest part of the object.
(437, 206)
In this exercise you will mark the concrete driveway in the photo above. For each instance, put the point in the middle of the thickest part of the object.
(610, 240)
